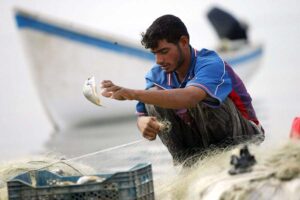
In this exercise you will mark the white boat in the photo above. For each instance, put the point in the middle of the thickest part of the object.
(62, 56)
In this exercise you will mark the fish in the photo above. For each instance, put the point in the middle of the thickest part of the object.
(89, 179)
(90, 91)
(64, 183)
(58, 171)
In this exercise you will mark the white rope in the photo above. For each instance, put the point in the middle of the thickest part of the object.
(91, 154)
(106, 150)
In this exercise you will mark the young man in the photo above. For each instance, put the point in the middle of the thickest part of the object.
(205, 101)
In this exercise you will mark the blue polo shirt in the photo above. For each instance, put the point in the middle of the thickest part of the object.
(207, 71)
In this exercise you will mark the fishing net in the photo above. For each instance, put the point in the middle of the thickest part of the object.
(111, 160)
(275, 176)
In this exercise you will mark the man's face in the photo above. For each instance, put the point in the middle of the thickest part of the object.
(168, 55)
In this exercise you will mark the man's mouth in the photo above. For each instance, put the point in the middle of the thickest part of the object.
(164, 66)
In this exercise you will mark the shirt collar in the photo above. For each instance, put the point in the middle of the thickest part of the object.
(172, 79)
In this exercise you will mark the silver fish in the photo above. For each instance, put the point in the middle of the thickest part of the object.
(90, 91)
(89, 179)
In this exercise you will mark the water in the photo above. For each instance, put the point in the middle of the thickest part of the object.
(26, 130)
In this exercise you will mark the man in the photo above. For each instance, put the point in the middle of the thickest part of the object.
(205, 101)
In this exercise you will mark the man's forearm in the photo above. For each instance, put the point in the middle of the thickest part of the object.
(174, 99)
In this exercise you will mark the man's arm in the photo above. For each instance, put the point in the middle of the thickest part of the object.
(174, 98)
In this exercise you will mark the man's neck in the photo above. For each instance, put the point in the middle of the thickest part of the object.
(183, 70)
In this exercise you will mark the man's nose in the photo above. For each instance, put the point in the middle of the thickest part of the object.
(159, 59)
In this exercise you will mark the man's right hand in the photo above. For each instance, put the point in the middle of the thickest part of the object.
(149, 127)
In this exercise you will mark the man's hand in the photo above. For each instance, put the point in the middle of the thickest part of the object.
(113, 91)
(149, 126)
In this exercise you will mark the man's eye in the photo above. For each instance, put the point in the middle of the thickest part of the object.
(164, 51)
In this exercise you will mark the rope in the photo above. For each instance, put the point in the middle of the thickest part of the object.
(106, 150)
(89, 154)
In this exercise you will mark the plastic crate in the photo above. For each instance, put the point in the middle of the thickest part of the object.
(136, 183)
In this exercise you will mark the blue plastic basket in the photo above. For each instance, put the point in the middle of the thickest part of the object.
(136, 183)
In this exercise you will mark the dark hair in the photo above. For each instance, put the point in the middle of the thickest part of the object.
(167, 27)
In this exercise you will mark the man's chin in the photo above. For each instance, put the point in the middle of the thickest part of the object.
(167, 69)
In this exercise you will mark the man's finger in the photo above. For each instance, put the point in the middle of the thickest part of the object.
(150, 138)
(106, 94)
(106, 83)
(153, 123)
(112, 89)
(149, 135)
(151, 131)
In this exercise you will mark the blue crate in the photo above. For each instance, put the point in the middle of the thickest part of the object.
(136, 183)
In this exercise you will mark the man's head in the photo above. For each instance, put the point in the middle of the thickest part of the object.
(168, 39)
(168, 27)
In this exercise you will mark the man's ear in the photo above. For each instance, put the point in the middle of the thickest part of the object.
(184, 40)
